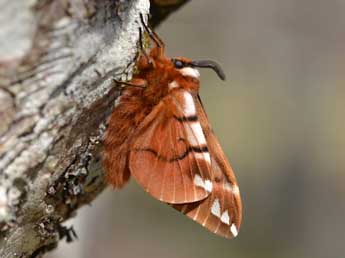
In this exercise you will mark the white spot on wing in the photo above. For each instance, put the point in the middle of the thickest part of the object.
(198, 181)
(173, 85)
(199, 155)
(191, 72)
(196, 136)
(204, 155)
(234, 230)
(228, 186)
(215, 209)
(225, 218)
(208, 186)
(235, 190)
(189, 107)
(207, 157)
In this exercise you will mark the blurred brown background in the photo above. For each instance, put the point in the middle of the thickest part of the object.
(279, 117)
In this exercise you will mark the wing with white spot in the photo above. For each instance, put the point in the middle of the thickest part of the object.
(169, 157)
(221, 211)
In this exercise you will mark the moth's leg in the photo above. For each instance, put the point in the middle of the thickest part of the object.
(152, 34)
(137, 83)
(141, 43)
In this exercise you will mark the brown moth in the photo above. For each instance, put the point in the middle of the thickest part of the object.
(159, 133)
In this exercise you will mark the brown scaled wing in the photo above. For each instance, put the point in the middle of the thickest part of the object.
(163, 160)
(221, 212)
(169, 160)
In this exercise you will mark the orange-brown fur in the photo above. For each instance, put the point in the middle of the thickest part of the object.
(136, 103)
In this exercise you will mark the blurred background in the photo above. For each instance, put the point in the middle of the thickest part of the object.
(280, 119)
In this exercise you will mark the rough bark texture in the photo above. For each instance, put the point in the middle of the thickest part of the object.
(57, 61)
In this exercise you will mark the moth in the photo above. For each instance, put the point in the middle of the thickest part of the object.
(159, 133)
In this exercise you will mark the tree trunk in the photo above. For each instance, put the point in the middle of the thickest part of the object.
(57, 62)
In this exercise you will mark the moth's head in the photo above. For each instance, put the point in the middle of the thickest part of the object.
(188, 67)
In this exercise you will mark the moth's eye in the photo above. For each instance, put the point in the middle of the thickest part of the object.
(177, 63)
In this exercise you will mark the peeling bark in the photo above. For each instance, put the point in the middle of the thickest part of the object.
(57, 62)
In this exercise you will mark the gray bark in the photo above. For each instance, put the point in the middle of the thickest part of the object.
(57, 61)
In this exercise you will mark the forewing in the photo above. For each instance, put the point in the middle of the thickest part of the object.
(221, 212)
(169, 157)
